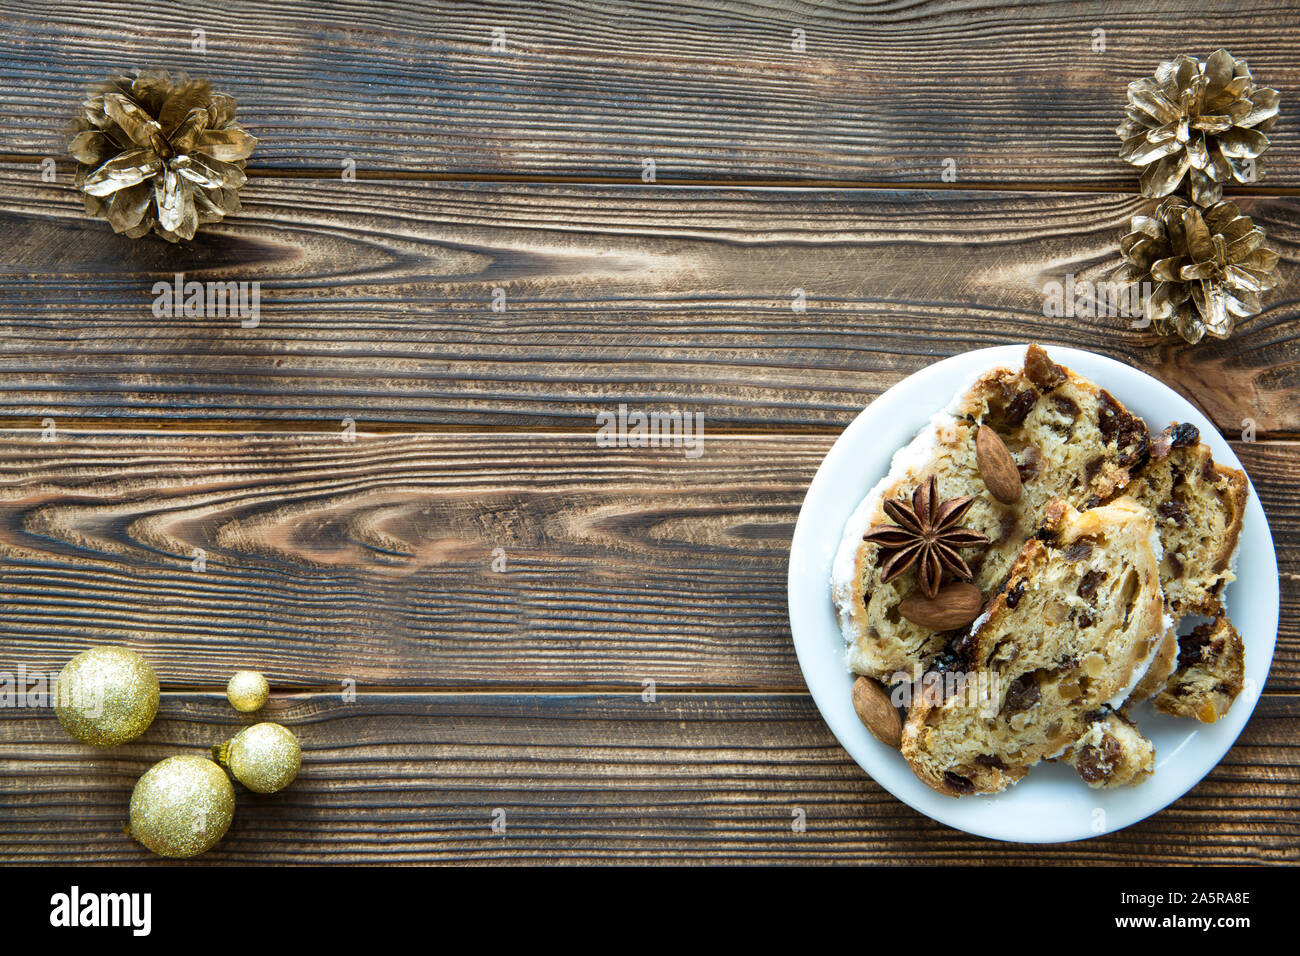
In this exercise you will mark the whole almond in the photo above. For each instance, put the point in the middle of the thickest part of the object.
(956, 605)
(877, 712)
(997, 467)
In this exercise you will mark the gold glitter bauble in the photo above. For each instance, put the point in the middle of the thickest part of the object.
(106, 696)
(264, 758)
(247, 691)
(182, 806)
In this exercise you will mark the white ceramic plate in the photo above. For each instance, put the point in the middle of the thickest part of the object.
(1051, 804)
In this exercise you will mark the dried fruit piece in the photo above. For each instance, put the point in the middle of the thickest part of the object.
(1095, 763)
(1088, 583)
(1022, 694)
(1123, 428)
(958, 783)
(1079, 551)
(1174, 511)
(1033, 464)
(1175, 435)
(1020, 407)
(1042, 371)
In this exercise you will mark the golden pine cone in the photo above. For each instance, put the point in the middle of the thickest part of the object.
(1207, 267)
(159, 151)
(1208, 119)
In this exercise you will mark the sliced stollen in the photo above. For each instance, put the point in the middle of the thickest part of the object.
(1162, 666)
(1211, 673)
(1067, 440)
(1072, 632)
(1112, 751)
(1200, 507)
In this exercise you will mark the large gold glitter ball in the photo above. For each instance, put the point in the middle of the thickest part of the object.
(106, 696)
(264, 758)
(182, 806)
(248, 691)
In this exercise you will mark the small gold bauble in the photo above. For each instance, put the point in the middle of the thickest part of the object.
(181, 806)
(106, 696)
(248, 691)
(264, 758)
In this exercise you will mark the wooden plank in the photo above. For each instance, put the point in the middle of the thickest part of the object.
(372, 561)
(376, 303)
(1010, 92)
(1272, 468)
(607, 779)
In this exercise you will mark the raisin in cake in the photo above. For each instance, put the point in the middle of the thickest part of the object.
(1199, 507)
(1210, 674)
(1070, 441)
(1071, 633)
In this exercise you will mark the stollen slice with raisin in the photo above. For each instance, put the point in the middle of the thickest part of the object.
(1211, 673)
(1111, 752)
(1063, 437)
(1200, 507)
(1071, 634)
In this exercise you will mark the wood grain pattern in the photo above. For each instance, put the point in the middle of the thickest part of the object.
(328, 561)
(614, 779)
(1011, 92)
(376, 304)
(372, 561)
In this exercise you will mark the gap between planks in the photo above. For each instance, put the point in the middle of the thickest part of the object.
(507, 690)
(750, 182)
(575, 428)
(531, 690)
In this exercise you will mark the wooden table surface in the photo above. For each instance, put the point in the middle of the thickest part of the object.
(375, 565)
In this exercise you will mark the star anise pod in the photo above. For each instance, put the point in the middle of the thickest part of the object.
(926, 532)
